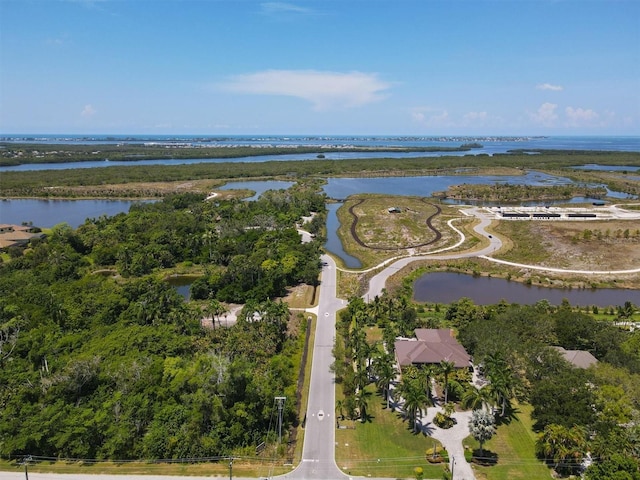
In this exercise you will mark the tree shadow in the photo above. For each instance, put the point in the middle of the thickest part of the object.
(509, 416)
(486, 458)
(428, 429)
(368, 418)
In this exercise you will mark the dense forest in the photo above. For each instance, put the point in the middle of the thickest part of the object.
(576, 412)
(101, 358)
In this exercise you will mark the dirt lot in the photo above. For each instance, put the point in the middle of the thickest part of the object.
(579, 245)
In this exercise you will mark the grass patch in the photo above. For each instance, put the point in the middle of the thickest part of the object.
(387, 235)
(384, 446)
(514, 446)
(241, 468)
(525, 247)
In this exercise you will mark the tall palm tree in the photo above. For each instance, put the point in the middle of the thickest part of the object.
(501, 379)
(412, 392)
(385, 372)
(427, 373)
(340, 408)
(415, 401)
(362, 403)
(477, 398)
(361, 378)
(446, 368)
(216, 309)
(501, 388)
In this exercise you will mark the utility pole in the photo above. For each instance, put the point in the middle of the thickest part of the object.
(26, 461)
(280, 401)
(230, 468)
(453, 464)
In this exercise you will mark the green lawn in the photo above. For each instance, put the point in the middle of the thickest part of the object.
(514, 445)
(383, 447)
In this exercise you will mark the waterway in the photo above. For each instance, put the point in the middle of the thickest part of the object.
(435, 287)
(47, 212)
(447, 287)
(491, 145)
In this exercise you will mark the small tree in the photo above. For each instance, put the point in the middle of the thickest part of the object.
(419, 473)
(446, 368)
(482, 426)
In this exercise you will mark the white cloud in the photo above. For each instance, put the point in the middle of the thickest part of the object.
(577, 117)
(549, 86)
(88, 111)
(475, 119)
(431, 117)
(275, 8)
(324, 90)
(546, 114)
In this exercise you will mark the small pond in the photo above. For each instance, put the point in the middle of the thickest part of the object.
(448, 287)
(259, 186)
(182, 284)
(47, 213)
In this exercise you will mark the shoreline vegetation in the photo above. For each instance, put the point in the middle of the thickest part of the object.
(13, 154)
(97, 182)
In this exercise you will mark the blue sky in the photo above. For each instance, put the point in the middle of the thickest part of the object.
(423, 67)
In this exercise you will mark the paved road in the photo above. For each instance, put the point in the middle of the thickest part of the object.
(318, 454)
(378, 281)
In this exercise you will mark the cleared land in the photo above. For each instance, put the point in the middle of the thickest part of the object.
(584, 245)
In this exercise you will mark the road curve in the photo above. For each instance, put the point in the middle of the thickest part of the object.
(378, 281)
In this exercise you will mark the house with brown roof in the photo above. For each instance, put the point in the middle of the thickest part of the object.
(17, 235)
(430, 347)
(577, 358)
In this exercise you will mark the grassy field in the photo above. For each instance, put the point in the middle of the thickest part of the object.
(383, 447)
(589, 245)
(514, 446)
(219, 469)
(387, 235)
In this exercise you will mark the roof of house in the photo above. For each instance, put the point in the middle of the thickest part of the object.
(440, 335)
(15, 235)
(578, 358)
(431, 346)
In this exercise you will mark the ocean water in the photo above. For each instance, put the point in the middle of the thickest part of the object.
(490, 145)
(617, 143)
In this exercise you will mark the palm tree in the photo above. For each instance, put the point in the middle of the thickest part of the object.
(340, 408)
(477, 398)
(216, 309)
(427, 373)
(501, 379)
(559, 443)
(446, 368)
(482, 427)
(362, 403)
(362, 378)
(501, 389)
(385, 371)
(415, 400)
